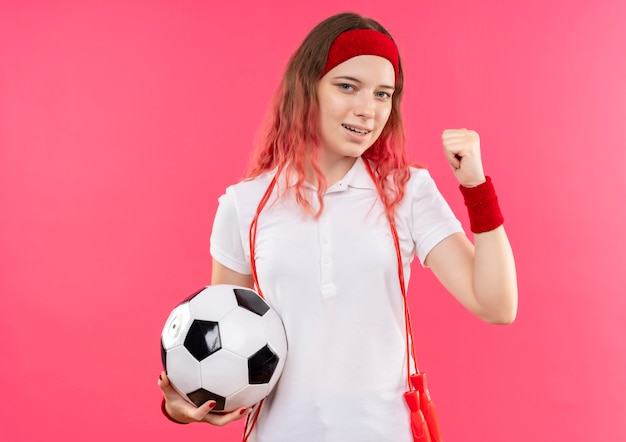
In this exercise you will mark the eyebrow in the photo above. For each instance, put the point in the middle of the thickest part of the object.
(356, 80)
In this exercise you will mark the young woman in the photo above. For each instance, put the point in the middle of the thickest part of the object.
(326, 182)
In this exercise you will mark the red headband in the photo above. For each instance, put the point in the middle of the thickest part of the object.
(361, 42)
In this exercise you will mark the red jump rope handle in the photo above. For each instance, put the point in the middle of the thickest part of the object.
(427, 407)
(419, 427)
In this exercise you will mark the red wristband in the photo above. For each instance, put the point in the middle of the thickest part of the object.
(164, 411)
(482, 207)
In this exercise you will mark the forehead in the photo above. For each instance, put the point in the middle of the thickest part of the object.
(370, 68)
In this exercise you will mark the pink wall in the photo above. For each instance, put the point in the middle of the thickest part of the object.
(122, 122)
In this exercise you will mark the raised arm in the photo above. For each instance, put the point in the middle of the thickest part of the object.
(481, 275)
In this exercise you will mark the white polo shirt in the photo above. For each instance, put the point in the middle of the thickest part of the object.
(334, 283)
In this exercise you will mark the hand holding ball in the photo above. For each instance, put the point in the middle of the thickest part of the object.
(224, 343)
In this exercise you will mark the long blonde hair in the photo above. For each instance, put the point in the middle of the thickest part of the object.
(288, 139)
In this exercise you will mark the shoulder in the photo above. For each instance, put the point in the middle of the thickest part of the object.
(420, 179)
(240, 200)
(419, 173)
(421, 189)
(249, 189)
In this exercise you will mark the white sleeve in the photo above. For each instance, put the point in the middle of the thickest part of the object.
(432, 219)
(227, 240)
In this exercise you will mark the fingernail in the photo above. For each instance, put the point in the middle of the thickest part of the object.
(243, 411)
(160, 377)
(212, 404)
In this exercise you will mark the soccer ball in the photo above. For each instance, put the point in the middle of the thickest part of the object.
(224, 343)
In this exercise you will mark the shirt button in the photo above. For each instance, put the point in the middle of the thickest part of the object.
(324, 240)
(326, 261)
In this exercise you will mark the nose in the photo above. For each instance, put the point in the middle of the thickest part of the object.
(365, 106)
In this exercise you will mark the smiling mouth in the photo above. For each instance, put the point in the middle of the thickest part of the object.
(355, 130)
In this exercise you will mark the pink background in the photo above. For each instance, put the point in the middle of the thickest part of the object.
(122, 122)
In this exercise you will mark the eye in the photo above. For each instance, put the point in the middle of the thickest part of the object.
(345, 87)
(383, 95)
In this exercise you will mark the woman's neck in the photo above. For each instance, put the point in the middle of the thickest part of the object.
(333, 170)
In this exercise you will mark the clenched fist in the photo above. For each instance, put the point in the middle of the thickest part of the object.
(462, 149)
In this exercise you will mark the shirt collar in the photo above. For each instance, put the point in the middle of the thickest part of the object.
(357, 177)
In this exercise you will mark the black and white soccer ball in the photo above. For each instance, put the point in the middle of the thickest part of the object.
(224, 343)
